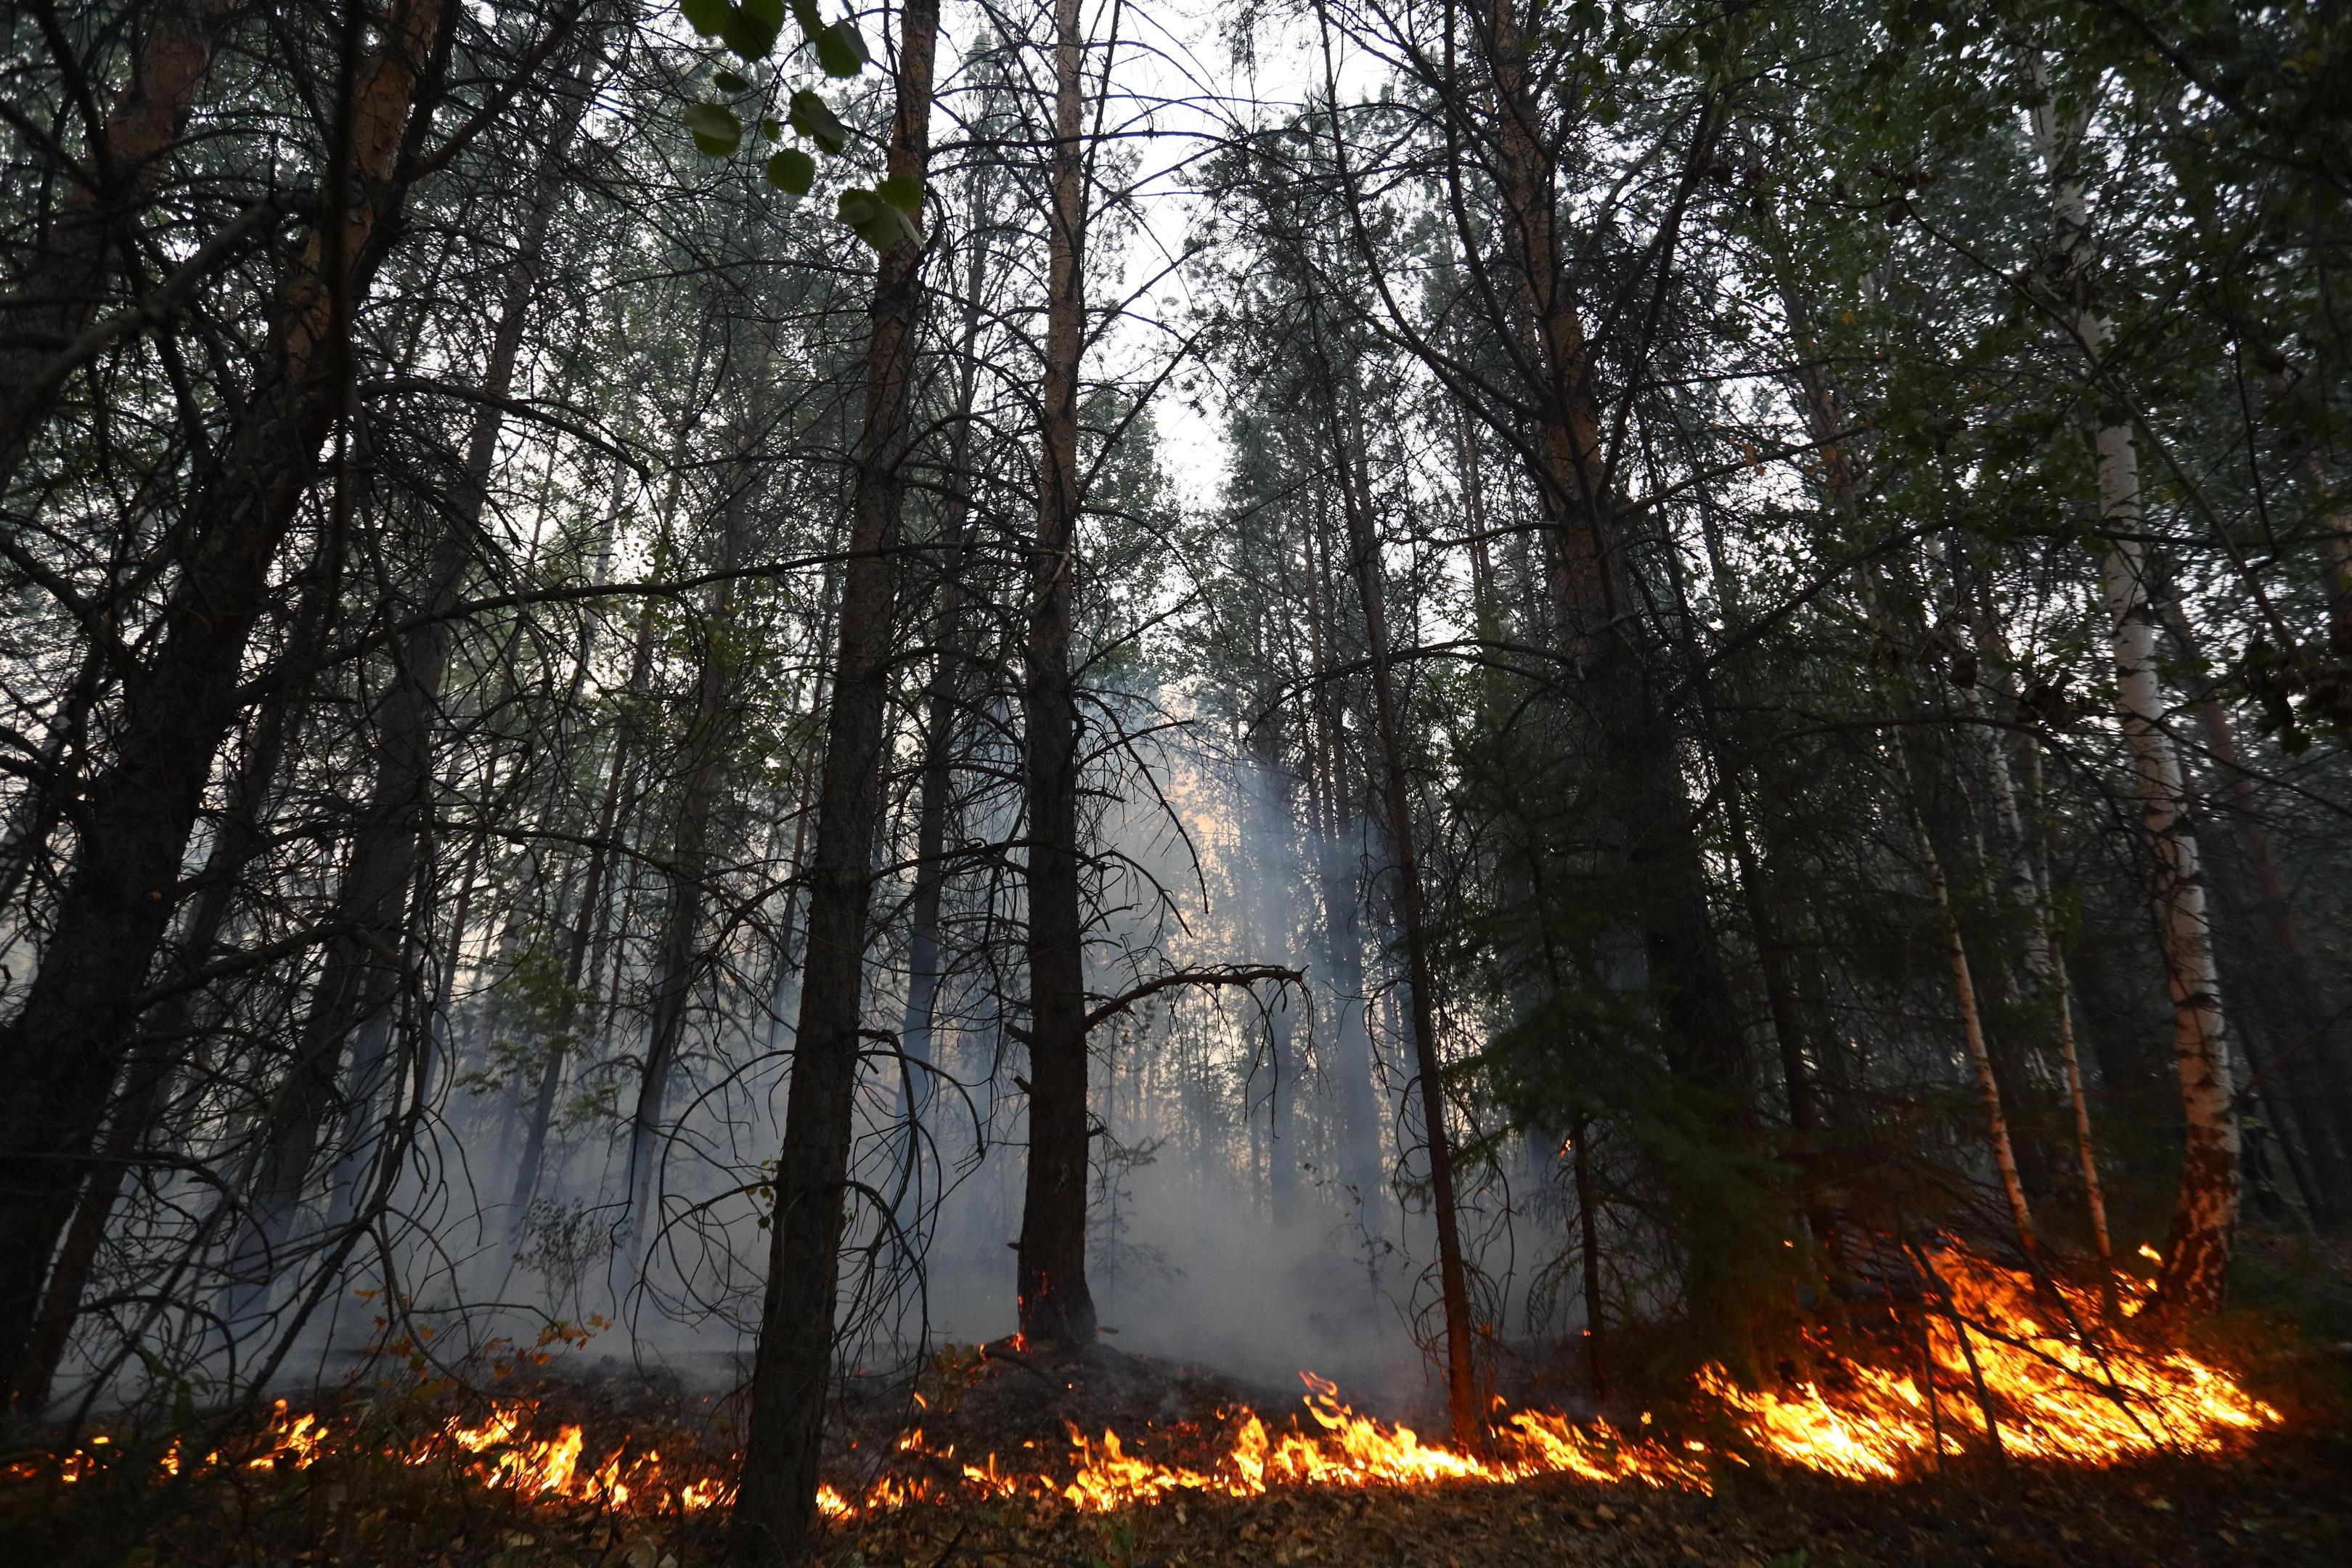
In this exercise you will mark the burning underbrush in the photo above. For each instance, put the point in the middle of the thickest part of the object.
(1988, 1367)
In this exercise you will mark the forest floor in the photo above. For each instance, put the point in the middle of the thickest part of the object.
(2286, 1501)
(389, 1487)
(2285, 1498)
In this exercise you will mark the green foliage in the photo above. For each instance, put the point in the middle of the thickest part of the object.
(812, 118)
(880, 224)
(750, 29)
(792, 171)
(716, 132)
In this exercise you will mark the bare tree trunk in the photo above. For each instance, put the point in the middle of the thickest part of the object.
(679, 962)
(1364, 554)
(2004, 1152)
(776, 1501)
(63, 1051)
(1056, 1308)
(2318, 1112)
(2205, 1215)
(937, 786)
(1361, 1168)
(1588, 1238)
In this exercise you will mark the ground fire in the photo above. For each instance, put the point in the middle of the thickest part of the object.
(2005, 1374)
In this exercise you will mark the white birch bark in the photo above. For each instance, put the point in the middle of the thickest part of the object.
(2204, 1220)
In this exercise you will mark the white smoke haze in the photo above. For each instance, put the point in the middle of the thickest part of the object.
(1246, 1214)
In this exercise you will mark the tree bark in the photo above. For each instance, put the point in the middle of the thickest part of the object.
(2205, 1212)
(1362, 1167)
(1056, 1308)
(2318, 1112)
(367, 961)
(2004, 1151)
(942, 699)
(776, 1499)
(1396, 794)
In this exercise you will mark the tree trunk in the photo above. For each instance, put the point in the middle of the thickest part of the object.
(2318, 1111)
(708, 734)
(1364, 554)
(1362, 1167)
(1588, 1238)
(63, 1051)
(2004, 1151)
(776, 1501)
(2205, 1215)
(941, 701)
(1641, 787)
(162, 1034)
(1056, 1308)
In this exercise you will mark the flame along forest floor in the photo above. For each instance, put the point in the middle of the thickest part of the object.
(2284, 1503)
(2283, 1498)
(554, 1459)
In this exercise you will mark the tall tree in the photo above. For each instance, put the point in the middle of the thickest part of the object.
(2205, 1213)
(1056, 1308)
(776, 1499)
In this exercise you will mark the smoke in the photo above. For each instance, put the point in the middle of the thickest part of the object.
(1253, 1207)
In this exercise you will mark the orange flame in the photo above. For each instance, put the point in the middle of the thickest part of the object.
(1354, 1450)
(2055, 1396)
(2048, 1391)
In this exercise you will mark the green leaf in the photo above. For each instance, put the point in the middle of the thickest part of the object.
(707, 17)
(813, 119)
(840, 50)
(877, 222)
(811, 19)
(772, 130)
(717, 131)
(751, 27)
(792, 171)
(904, 192)
(728, 82)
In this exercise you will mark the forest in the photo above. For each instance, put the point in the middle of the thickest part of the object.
(796, 784)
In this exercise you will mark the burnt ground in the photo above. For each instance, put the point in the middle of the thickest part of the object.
(2286, 1498)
